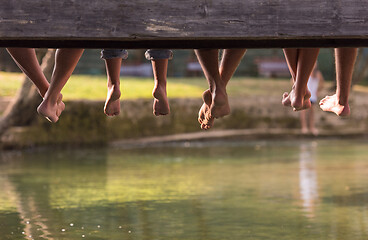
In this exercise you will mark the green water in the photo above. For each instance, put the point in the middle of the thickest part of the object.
(223, 190)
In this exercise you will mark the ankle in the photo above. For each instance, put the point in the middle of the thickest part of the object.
(113, 84)
(343, 102)
(159, 91)
(220, 92)
(50, 99)
(158, 88)
(160, 81)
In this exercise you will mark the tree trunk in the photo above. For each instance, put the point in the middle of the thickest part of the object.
(22, 110)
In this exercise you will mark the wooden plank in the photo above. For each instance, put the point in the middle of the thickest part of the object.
(187, 44)
(183, 23)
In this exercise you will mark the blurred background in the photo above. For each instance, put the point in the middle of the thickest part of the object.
(253, 64)
(255, 95)
(254, 175)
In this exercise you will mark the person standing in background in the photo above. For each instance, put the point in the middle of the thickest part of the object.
(315, 84)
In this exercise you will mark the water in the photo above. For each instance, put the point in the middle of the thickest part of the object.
(224, 190)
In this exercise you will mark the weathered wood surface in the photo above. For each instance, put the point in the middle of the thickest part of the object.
(183, 23)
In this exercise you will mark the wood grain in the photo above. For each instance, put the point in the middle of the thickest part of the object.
(183, 23)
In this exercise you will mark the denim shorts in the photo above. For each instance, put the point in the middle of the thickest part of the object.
(155, 54)
(114, 53)
(151, 54)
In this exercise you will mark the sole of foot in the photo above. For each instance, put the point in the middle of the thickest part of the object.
(203, 119)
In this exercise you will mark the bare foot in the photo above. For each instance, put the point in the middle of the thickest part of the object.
(206, 123)
(331, 104)
(112, 104)
(220, 105)
(296, 102)
(314, 131)
(304, 130)
(61, 105)
(51, 111)
(160, 102)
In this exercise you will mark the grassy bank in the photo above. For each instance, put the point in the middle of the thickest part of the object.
(94, 87)
(255, 104)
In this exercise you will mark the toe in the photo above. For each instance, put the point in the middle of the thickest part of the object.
(285, 99)
(53, 119)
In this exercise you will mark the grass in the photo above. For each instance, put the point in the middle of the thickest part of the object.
(10, 83)
(94, 87)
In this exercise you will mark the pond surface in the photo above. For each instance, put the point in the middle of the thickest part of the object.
(222, 190)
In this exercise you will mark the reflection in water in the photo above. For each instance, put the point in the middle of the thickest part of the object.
(28, 186)
(227, 191)
(308, 177)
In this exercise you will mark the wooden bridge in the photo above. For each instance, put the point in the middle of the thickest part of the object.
(183, 23)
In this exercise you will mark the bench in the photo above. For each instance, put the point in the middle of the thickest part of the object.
(183, 24)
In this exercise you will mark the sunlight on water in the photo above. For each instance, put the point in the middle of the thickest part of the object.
(222, 190)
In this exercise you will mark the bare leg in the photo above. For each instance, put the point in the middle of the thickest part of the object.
(303, 121)
(312, 127)
(203, 55)
(291, 56)
(298, 98)
(112, 103)
(339, 102)
(160, 102)
(204, 110)
(230, 61)
(208, 58)
(65, 62)
(306, 61)
(27, 61)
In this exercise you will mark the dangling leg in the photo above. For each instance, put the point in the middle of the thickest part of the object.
(228, 65)
(299, 95)
(209, 62)
(312, 126)
(291, 57)
(160, 102)
(27, 61)
(230, 61)
(112, 103)
(339, 102)
(208, 58)
(159, 60)
(113, 59)
(65, 62)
